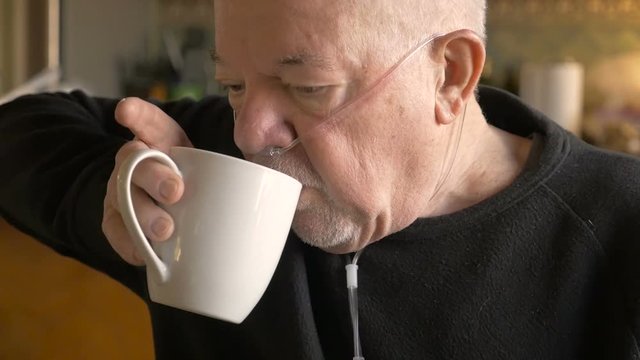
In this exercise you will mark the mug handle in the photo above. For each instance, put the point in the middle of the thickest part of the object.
(125, 203)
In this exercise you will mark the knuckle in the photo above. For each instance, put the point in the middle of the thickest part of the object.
(156, 179)
(122, 246)
(119, 238)
(110, 190)
(107, 222)
(127, 149)
(135, 258)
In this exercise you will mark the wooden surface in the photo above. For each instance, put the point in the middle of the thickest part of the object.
(52, 307)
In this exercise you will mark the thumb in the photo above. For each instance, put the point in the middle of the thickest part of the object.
(150, 125)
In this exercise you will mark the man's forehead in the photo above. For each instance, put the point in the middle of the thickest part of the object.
(263, 36)
(298, 15)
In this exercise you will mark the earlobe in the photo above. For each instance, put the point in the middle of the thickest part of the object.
(446, 109)
(462, 55)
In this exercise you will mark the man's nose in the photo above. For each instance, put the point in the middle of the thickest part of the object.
(261, 122)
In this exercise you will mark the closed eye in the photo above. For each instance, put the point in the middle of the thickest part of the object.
(309, 90)
(233, 88)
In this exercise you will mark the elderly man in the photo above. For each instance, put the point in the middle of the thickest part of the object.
(484, 230)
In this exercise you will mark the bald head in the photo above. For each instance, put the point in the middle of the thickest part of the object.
(403, 23)
(290, 63)
(372, 28)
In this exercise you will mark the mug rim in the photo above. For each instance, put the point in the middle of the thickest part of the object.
(233, 158)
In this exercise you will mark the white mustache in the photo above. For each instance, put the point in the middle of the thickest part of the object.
(293, 166)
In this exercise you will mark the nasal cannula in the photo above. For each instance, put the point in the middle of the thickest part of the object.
(334, 114)
(352, 267)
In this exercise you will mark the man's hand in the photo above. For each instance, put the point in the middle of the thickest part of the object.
(151, 180)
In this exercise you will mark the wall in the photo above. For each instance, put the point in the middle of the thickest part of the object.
(97, 35)
(591, 32)
(13, 63)
(602, 35)
(113, 48)
(5, 12)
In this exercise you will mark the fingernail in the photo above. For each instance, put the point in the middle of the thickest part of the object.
(168, 188)
(160, 227)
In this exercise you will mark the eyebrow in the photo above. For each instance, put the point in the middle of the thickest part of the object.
(215, 57)
(306, 59)
(299, 59)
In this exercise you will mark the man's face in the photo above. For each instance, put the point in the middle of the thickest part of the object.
(365, 173)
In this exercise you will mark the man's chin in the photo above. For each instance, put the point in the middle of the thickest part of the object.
(327, 232)
(337, 249)
(343, 249)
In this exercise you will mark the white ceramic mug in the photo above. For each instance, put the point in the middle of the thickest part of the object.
(230, 228)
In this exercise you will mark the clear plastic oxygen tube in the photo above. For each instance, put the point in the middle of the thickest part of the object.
(450, 156)
(335, 114)
(352, 267)
(352, 287)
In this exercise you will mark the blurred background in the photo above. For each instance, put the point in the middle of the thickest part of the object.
(576, 60)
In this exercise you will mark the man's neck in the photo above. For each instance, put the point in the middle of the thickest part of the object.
(488, 160)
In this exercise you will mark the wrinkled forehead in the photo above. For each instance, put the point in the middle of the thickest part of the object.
(307, 12)
(282, 26)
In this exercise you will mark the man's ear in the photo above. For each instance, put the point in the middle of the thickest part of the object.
(462, 55)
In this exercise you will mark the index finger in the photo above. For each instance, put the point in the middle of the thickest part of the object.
(150, 124)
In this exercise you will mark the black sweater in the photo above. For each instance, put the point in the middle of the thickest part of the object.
(546, 269)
